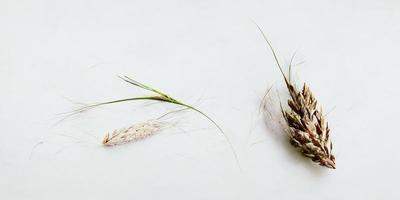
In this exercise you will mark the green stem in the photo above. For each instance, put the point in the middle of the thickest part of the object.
(215, 123)
(154, 98)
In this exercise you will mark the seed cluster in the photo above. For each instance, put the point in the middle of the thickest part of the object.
(131, 134)
(308, 131)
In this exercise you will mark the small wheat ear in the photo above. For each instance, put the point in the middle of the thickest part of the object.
(162, 97)
(137, 131)
(307, 129)
(132, 133)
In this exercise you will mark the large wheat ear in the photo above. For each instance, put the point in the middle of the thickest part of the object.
(307, 129)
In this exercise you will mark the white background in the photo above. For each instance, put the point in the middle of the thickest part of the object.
(210, 54)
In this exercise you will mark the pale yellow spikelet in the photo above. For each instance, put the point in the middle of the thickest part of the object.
(132, 134)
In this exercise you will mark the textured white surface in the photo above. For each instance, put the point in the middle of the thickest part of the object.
(209, 49)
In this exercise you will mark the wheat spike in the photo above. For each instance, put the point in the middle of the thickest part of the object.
(132, 134)
(307, 129)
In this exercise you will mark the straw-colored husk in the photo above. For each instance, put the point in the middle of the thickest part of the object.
(132, 134)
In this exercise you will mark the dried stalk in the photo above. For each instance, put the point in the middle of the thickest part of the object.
(307, 129)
